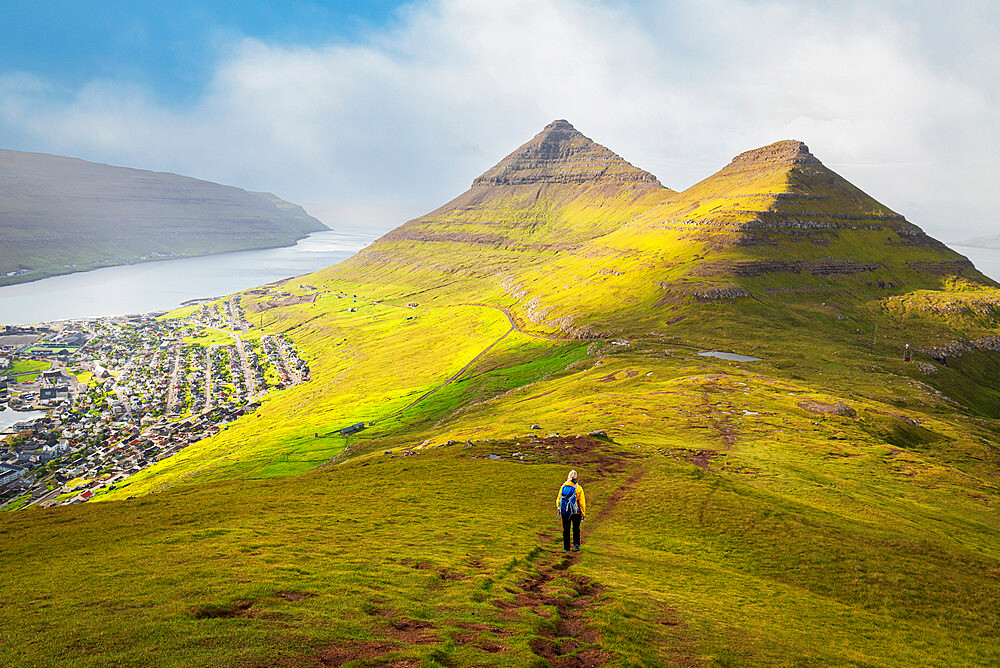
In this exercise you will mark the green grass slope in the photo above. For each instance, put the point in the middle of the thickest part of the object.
(827, 504)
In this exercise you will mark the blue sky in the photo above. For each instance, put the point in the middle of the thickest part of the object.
(170, 46)
(374, 112)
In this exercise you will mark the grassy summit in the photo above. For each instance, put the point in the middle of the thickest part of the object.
(828, 503)
(59, 215)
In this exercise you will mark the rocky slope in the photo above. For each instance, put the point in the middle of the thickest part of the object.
(61, 214)
(574, 238)
(774, 222)
(562, 154)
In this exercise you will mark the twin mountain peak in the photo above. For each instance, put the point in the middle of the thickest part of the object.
(562, 154)
(572, 232)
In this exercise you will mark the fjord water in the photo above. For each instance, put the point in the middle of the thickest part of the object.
(157, 286)
(10, 417)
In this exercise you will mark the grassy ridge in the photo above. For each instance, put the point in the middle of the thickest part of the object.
(801, 522)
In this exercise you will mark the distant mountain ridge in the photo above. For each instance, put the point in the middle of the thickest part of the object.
(59, 215)
(989, 241)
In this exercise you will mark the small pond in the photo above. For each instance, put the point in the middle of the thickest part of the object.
(733, 357)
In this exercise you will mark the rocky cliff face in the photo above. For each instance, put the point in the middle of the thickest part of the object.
(562, 154)
(782, 192)
(789, 152)
(772, 227)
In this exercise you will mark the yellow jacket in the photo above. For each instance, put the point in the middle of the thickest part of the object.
(581, 499)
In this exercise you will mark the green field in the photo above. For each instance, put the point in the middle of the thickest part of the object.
(26, 371)
(210, 337)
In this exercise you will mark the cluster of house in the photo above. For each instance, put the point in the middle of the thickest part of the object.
(53, 389)
(234, 314)
(50, 389)
(290, 367)
(90, 453)
(151, 394)
(229, 315)
(157, 374)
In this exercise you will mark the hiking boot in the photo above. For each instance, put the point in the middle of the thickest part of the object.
(576, 548)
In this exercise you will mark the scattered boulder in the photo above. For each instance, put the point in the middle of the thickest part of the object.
(598, 433)
(819, 408)
(535, 426)
(721, 292)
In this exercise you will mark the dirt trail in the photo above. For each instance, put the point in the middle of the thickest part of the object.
(564, 599)
(568, 640)
(612, 502)
(514, 327)
(458, 374)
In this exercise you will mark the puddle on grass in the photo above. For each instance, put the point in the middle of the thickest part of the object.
(733, 357)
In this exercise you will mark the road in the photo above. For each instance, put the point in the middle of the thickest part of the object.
(119, 392)
(248, 378)
(208, 378)
(450, 380)
(290, 369)
(174, 370)
(514, 327)
(251, 384)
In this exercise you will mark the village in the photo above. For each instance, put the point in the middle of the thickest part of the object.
(102, 399)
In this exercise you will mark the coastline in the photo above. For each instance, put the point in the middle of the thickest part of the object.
(42, 274)
(145, 287)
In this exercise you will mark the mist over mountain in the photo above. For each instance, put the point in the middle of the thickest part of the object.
(989, 241)
(60, 214)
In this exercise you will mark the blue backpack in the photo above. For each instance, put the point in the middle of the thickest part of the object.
(568, 504)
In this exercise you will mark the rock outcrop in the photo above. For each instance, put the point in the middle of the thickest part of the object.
(562, 154)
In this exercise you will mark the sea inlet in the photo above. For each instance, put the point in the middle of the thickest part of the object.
(165, 284)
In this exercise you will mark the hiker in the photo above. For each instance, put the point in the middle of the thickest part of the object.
(572, 506)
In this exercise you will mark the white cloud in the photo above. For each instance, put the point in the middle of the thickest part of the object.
(897, 101)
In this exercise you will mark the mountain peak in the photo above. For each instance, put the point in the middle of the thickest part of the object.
(562, 154)
(560, 124)
(789, 152)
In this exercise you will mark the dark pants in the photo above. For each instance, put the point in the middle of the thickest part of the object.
(575, 519)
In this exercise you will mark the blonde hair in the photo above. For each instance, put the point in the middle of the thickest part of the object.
(572, 476)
